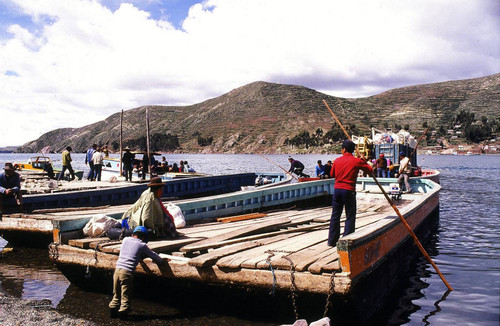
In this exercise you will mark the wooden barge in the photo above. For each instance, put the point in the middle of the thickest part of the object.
(34, 227)
(270, 250)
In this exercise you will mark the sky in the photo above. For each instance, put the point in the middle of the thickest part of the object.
(75, 62)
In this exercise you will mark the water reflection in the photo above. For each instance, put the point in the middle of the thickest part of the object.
(438, 308)
(31, 278)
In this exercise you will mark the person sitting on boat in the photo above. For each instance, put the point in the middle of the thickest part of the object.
(10, 189)
(105, 151)
(88, 160)
(133, 250)
(297, 167)
(149, 211)
(97, 158)
(345, 171)
(404, 172)
(66, 164)
(320, 170)
(175, 167)
(381, 166)
(50, 170)
(164, 164)
(127, 160)
(328, 168)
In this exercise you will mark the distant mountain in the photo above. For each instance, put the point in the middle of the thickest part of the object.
(262, 117)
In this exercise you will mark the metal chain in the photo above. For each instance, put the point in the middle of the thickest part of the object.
(293, 287)
(331, 290)
(88, 272)
(54, 250)
(268, 261)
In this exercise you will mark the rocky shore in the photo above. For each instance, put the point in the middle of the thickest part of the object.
(17, 312)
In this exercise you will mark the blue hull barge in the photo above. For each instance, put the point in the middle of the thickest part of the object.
(34, 225)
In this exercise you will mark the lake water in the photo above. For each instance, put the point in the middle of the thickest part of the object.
(466, 248)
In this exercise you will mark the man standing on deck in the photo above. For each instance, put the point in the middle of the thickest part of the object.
(128, 160)
(404, 172)
(133, 250)
(345, 171)
(381, 166)
(297, 167)
(10, 189)
(90, 162)
(66, 164)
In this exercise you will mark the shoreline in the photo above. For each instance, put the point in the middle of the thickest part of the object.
(16, 311)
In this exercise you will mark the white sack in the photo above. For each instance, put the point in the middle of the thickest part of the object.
(99, 224)
(176, 213)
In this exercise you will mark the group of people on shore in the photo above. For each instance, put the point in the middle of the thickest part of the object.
(144, 166)
(94, 159)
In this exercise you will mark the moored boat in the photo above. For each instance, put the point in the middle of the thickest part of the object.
(43, 164)
(34, 224)
(274, 250)
(111, 168)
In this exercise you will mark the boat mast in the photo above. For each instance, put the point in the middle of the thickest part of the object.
(148, 153)
(121, 141)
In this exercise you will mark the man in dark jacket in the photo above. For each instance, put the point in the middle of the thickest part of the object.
(128, 160)
(10, 189)
(297, 167)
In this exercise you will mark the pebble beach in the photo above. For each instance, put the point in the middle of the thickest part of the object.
(17, 312)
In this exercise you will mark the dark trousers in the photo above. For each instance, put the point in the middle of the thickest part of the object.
(300, 173)
(70, 169)
(90, 176)
(381, 173)
(127, 170)
(97, 172)
(341, 198)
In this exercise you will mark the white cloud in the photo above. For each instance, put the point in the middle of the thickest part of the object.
(79, 61)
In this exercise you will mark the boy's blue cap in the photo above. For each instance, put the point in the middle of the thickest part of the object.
(141, 229)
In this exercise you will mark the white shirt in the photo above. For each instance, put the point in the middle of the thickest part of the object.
(97, 158)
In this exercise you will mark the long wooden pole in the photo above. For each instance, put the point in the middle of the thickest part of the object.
(408, 228)
(279, 166)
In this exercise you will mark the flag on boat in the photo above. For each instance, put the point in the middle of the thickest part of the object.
(45, 150)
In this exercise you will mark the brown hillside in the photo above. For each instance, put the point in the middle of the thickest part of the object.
(260, 116)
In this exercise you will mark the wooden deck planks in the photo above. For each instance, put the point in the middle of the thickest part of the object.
(235, 244)
(238, 259)
(211, 258)
(244, 230)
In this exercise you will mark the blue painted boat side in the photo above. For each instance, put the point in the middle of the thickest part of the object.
(244, 201)
(129, 194)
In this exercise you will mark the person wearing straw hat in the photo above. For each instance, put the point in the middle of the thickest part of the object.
(10, 189)
(149, 211)
(133, 250)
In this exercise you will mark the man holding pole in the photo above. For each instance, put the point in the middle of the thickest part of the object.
(345, 171)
